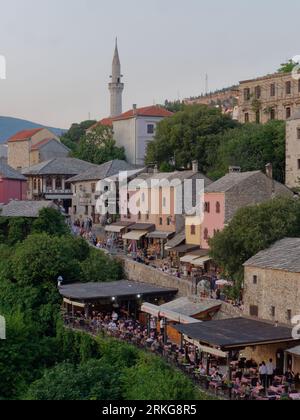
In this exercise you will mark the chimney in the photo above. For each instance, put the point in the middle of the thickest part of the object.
(269, 170)
(195, 166)
(235, 169)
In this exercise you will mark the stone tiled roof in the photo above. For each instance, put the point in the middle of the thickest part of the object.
(104, 171)
(283, 255)
(8, 172)
(59, 166)
(230, 181)
(28, 209)
(169, 176)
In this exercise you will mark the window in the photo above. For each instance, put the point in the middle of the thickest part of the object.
(257, 117)
(299, 85)
(254, 279)
(139, 215)
(254, 311)
(299, 164)
(160, 221)
(298, 133)
(257, 92)
(193, 230)
(49, 184)
(247, 94)
(273, 311)
(150, 129)
(68, 186)
(147, 216)
(288, 112)
(35, 184)
(74, 209)
(272, 114)
(86, 211)
(93, 188)
(58, 183)
(288, 88)
(128, 214)
(143, 197)
(218, 207)
(247, 117)
(207, 207)
(164, 202)
(169, 221)
(289, 315)
(273, 89)
(206, 234)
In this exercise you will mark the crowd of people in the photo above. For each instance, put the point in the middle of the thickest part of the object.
(245, 379)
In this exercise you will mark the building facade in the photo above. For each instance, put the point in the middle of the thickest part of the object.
(292, 177)
(13, 185)
(272, 283)
(272, 97)
(21, 147)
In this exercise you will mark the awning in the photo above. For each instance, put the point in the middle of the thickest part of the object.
(188, 258)
(295, 351)
(76, 304)
(177, 240)
(199, 262)
(135, 235)
(114, 228)
(159, 312)
(206, 349)
(159, 235)
(150, 309)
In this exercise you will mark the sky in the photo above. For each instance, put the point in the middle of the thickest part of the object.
(59, 52)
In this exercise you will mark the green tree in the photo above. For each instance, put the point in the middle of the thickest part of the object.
(254, 229)
(99, 146)
(99, 267)
(73, 135)
(183, 137)
(287, 67)
(50, 221)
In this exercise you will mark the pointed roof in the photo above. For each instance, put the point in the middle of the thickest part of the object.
(116, 59)
(24, 135)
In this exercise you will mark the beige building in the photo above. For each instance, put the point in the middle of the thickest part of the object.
(272, 283)
(272, 97)
(22, 147)
(293, 151)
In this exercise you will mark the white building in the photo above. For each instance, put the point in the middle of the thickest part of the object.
(135, 129)
(116, 86)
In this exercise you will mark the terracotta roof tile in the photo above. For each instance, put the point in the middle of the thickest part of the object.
(148, 111)
(25, 134)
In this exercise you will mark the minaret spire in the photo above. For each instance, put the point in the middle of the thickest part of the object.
(116, 86)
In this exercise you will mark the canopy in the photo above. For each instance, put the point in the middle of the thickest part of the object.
(206, 349)
(76, 304)
(199, 262)
(135, 235)
(159, 235)
(295, 351)
(159, 312)
(114, 228)
(189, 258)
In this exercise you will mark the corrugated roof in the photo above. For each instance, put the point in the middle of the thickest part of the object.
(283, 255)
(104, 171)
(28, 209)
(59, 166)
(8, 172)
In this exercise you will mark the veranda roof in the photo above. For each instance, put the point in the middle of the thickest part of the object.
(199, 262)
(135, 235)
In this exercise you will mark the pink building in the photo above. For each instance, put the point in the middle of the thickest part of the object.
(13, 185)
(234, 191)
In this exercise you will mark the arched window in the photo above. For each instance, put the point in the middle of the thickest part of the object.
(218, 207)
(205, 234)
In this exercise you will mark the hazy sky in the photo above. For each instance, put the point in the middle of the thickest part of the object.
(59, 52)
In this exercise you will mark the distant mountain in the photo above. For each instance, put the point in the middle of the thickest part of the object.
(10, 126)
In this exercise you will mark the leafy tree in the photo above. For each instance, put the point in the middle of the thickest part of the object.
(254, 229)
(183, 137)
(92, 380)
(250, 146)
(52, 222)
(287, 67)
(73, 135)
(18, 229)
(99, 146)
(98, 267)
(175, 106)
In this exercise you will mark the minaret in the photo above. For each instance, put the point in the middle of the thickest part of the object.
(116, 86)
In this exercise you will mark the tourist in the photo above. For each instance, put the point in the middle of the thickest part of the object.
(115, 316)
(270, 372)
(263, 374)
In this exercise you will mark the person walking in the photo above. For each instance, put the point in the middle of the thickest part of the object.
(263, 374)
(270, 372)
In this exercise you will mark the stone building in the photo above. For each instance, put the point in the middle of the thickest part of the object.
(272, 282)
(50, 180)
(292, 178)
(30, 147)
(85, 191)
(272, 97)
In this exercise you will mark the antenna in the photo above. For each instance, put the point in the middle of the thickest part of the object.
(206, 84)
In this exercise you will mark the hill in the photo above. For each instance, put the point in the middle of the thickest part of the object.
(10, 126)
